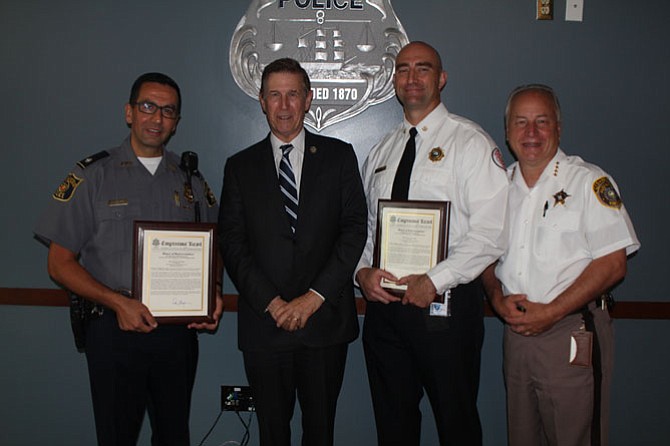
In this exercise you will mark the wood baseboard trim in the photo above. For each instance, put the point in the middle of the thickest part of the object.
(47, 297)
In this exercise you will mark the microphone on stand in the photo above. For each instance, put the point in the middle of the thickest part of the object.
(189, 164)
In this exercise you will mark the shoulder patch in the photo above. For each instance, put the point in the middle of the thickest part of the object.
(606, 193)
(67, 188)
(91, 159)
(497, 158)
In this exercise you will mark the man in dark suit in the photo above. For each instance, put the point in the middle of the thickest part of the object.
(292, 226)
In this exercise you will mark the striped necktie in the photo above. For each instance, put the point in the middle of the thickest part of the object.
(288, 187)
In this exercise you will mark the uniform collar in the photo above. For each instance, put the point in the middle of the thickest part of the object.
(129, 158)
(551, 171)
(431, 123)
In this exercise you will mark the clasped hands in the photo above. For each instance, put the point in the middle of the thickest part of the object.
(523, 316)
(293, 315)
(420, 289)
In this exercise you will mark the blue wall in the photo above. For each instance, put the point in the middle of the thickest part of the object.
(67, 66)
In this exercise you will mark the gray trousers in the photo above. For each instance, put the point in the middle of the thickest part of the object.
(549, 401)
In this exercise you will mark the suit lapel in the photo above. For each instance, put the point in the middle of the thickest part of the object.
(309, 180)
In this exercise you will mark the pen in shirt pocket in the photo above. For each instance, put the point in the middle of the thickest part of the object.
(545, 209)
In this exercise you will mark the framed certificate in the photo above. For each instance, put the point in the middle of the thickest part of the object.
(412, 237)
(174, 270)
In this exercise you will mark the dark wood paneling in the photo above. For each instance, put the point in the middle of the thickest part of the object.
(47, 297)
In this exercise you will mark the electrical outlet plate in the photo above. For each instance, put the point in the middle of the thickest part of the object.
(237, 399)
(574, 10)
(545, 10)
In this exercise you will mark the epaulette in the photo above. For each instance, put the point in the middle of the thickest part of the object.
(93, 158)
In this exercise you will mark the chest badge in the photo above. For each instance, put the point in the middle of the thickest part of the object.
(436, 154)
(188, 193)
(559, 197)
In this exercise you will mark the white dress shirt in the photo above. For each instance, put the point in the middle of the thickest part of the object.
(456, 161)
(559, 226)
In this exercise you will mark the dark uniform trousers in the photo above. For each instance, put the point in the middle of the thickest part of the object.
(407, 351)
(314, 375)
(132, 372)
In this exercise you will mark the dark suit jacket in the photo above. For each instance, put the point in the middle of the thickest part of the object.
(265, 259)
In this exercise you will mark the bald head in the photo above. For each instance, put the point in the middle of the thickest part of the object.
(422, 46)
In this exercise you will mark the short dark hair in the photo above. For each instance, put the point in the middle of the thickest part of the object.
(285, 65)
(540, 88)
(158, 78)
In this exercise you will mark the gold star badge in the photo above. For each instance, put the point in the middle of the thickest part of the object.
(559, 197)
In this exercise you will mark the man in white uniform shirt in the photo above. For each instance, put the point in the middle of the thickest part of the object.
(569, 235)
(407, 350)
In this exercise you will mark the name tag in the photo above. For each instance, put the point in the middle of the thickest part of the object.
(120, 202)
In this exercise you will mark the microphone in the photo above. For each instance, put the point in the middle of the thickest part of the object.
(189, 164)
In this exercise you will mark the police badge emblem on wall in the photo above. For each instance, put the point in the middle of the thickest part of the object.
(348, 48)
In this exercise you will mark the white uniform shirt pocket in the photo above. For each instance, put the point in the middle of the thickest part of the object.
(382, 183)
(557, 233)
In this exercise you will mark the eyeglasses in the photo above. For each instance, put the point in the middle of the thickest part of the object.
(168, 111)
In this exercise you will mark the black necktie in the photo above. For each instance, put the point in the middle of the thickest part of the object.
(288, 186)
(400, 189)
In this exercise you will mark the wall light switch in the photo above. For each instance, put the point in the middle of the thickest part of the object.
(545, 10)
(574, 10)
